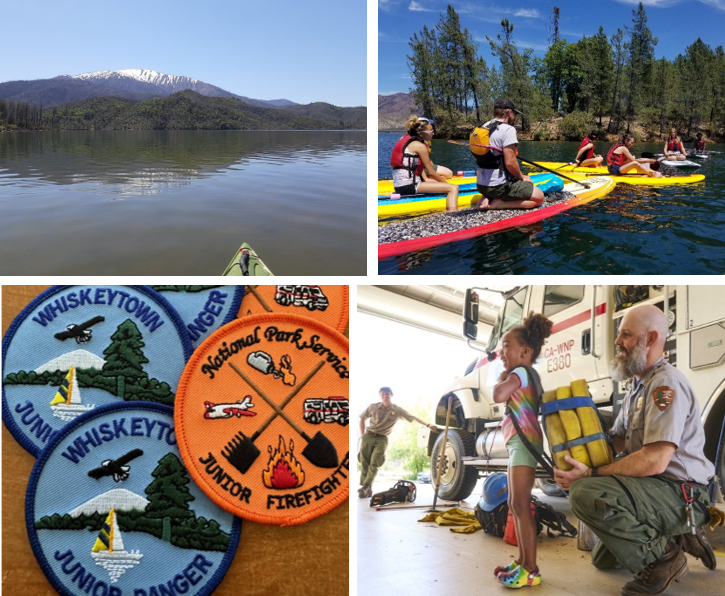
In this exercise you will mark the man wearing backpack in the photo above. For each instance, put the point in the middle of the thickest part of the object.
(648, 507)
(498, 177)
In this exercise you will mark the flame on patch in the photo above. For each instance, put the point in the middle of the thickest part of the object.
(283, 469)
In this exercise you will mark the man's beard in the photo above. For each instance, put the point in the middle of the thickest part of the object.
(624, 366)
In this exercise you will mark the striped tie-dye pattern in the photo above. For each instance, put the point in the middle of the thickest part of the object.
(524, 404)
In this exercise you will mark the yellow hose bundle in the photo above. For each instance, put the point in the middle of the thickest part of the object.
(599, 452)
(568, 425)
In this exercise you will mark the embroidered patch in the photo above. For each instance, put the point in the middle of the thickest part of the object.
(327, 304)
(151, 532)
(663, 397)
(289, 463)
(76, 348)
(203, 308)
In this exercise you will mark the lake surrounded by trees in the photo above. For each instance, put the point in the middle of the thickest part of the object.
(633, 230)
(181, 202)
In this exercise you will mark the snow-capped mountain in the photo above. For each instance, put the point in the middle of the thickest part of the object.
(141, 80)
(130, 83)
(128, 79)
(82, 359)
(119, 499)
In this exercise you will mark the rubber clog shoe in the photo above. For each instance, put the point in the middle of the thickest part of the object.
(505, 568)
(519, 578)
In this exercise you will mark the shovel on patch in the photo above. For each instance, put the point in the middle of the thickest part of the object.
(319, 451)
(241, 450)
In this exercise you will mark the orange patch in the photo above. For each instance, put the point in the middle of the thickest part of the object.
(262, 418)
(327, 304)
(663, 397)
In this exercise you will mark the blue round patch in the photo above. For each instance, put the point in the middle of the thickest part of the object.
(111, 510)
(76, 348)
(203, 308)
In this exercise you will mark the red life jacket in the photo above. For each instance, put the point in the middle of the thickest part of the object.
(673, 145)
(398, 158)
(615, 159)
(699, 145)
(589, 154)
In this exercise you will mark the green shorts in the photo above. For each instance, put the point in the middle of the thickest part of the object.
(510, 190)
(519, 455)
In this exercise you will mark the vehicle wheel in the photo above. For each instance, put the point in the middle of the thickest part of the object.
(549, 487)
(721, 467)
(457, 480)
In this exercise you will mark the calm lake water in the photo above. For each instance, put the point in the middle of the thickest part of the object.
(634, 229)
(181, 202)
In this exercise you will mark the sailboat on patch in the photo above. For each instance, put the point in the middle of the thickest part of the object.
(66, 404)
(109, 551)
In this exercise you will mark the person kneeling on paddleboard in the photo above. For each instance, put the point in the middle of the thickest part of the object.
(675, 148)
(698, 146)
(620, 160)
(410, 158)
(586, 158)
(498, 177)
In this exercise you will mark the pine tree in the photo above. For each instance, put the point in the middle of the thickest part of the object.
(124, 356)
(168, 494)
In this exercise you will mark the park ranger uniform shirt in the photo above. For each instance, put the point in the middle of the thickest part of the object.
(662, 406)
(383, 419)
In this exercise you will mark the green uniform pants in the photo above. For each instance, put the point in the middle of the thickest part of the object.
(372, 456)
(633, 517)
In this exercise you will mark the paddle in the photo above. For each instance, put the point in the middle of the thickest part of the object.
(319, 451)
(533, 163)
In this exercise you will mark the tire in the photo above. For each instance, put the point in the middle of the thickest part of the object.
(549, 487)
(721, 465)
(457, 480)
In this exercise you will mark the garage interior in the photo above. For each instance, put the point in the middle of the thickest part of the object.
(397, 552)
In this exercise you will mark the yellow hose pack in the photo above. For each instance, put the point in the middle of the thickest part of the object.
(570, 426)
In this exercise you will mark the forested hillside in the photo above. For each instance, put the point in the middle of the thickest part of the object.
(610, 80)
(186, 110)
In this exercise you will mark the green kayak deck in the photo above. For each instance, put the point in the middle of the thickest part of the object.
(246, 258)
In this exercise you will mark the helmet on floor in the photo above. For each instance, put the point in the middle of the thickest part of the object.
(495, 491)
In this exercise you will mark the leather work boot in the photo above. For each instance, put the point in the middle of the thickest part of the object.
(655, 578)
(698, 546)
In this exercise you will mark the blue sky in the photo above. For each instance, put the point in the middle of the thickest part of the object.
(676, 23)
(301, 51)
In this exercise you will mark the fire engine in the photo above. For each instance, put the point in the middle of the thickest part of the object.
(309, 296)
(581, 346)
(332, 409)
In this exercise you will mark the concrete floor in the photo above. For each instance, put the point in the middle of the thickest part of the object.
(397, 554)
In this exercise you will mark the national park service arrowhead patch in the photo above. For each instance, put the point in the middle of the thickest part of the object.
(262, 417)
(76, 348)
(663, 397)
(112, 511)
(327, 304)
(203, 308)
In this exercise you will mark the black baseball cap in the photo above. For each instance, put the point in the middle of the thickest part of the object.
(506, 104)
(388, 389)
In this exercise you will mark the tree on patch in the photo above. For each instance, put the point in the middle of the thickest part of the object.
(169, 494)
(125, 357)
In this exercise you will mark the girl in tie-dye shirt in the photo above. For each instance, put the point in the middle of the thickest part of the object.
(520, 348)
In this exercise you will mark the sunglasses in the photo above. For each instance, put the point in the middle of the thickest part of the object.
(428, 120)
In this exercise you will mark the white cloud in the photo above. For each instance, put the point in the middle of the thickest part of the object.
(415, 7)
(529, 13)
(719, 4)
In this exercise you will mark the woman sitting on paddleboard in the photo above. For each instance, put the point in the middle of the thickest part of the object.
(698, 146)
(675, 148)
(620, 160)
(586, 158)
(410, 158)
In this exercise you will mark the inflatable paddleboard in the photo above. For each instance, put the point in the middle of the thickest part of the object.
(468, 197)
(628, 178)
(246, 263)
(433, 230)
